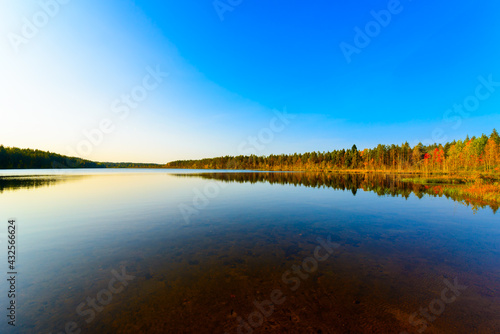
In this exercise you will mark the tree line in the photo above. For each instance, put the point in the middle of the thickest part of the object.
(17, 158)
(471, 154)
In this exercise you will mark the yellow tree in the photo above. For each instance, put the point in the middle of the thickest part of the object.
(454, 156)
(470, 155)
(491, 154)
(416, 156)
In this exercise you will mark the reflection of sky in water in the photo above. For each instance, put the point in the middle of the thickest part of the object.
(74, 232)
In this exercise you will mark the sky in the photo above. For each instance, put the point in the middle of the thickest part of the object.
(157, 81)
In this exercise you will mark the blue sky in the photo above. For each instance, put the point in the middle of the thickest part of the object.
(230, 67)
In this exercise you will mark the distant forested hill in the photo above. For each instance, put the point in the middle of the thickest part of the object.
(16, 158)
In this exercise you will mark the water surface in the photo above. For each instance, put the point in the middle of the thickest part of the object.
(200, 249)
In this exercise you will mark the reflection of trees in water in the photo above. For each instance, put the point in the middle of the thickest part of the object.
(13, 183)
(381, 184)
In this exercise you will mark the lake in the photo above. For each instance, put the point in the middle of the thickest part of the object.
(197, 251)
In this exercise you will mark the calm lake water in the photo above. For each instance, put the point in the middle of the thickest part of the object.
(176, 251)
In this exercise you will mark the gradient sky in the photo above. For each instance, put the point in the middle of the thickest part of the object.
(228, 76)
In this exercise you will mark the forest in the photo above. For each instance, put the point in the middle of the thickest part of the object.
(476, 154)
(16, 158)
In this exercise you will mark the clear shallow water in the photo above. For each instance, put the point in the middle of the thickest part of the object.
(202, 248)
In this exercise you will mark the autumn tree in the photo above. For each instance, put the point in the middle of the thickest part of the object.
(494, 135)
(417, 155)
(491, 154)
